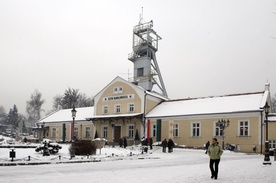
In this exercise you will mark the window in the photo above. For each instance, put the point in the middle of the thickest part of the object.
(87, 131)
(105, 109)
(76, 131)
(218, 131)
(130, 107)
(104, 130)
(117, 90)
(131, 131)
(54, 132)
(117, 108)
(243, 128)
(153, 134)
(272, 144)
(140, 72)
(195, 129)
(175, 130)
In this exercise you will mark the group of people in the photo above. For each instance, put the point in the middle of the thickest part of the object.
(123, 142)
(169, 144)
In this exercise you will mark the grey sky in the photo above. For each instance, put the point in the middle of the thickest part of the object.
(208, 47)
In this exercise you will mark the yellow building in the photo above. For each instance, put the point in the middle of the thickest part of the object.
(57, 125)
(120, 110)
(193, 121)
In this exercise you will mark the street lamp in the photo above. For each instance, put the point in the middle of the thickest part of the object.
(43, 126)
(266, 158)
(222, 124)
(74, 112)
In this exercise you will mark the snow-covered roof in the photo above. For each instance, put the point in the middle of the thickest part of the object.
(66, 115)
(114, 116)
(210, 105)
(272, 117)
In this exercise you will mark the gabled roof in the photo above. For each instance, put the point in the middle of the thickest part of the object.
(247, 102)
(152, 93)
(64, 115)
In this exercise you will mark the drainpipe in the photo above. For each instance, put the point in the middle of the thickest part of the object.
(262, 124)
(144, 115)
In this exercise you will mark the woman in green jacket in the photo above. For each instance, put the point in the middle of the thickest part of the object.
(214, 152)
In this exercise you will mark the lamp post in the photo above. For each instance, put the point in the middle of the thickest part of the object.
(43, 126)
(266, 158)
(222, 124)
(74, 112)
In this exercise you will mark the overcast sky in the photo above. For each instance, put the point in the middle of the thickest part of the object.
(208, 47)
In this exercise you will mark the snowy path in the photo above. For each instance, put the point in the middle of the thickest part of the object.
(180, 166)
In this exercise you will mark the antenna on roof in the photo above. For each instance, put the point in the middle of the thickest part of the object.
(141, 17)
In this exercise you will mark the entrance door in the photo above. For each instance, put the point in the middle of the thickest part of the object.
(117, 133)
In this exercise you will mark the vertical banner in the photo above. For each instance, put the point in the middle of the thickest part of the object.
(63, 132)
(148, 130)
(72, 131)
(158, 130)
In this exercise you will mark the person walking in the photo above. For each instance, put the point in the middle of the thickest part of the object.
(207, 146)
(170, 145)
(214, 152)
(164, 145)
(125, 142)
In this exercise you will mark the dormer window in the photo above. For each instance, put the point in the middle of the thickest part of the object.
(117, 90)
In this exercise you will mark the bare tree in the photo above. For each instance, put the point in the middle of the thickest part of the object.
(273, 104)
(72, 97)
(2, 114)
(33, 107)
(57, 102)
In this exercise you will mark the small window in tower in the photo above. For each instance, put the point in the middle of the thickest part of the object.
(140, 72)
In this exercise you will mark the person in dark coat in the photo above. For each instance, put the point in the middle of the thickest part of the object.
(121, 142)
(125, 142)
(150, 143)
(170, 145)
(207, 146)
(164, 145)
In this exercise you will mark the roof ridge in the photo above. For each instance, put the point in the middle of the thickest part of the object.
(227, 95)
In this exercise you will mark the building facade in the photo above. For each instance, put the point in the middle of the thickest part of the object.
(193, 122)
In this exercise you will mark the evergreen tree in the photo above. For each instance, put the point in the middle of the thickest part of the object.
(12, 117)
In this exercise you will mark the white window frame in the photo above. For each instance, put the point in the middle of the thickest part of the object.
(131, 106)
(217, 128)
(192, 129)
(104, 133)
(54, 133)
(244, 126)
(130, 131)
(116, 107)
(272, 143)
(76, 132)
(87, 131)
(105, 109)
(176, 130)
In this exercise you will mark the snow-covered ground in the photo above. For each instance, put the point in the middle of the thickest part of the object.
(183, 165)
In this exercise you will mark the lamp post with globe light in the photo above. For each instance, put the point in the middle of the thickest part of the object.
(222, 124)
(73, 112)
(266, 158)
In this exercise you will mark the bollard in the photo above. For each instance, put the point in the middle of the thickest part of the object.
(59, 157)
(29, 158)
(130, 154)
(87, 156)
(275, 154)
(12, 154)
